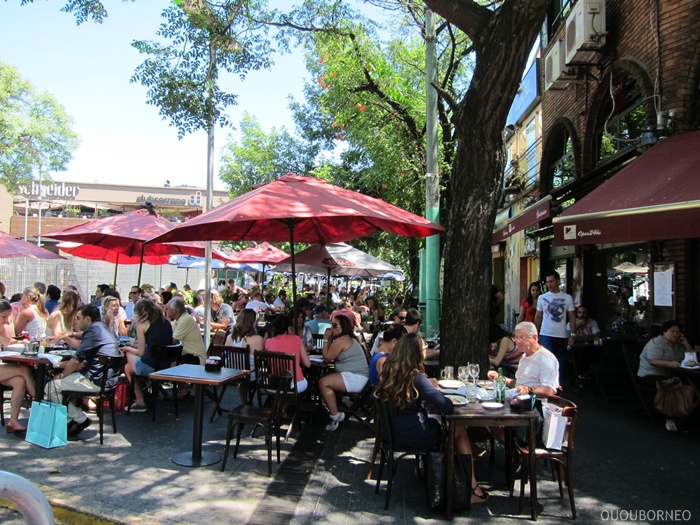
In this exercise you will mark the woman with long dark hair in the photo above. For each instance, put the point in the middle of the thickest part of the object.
(528, 306)
(403, 381)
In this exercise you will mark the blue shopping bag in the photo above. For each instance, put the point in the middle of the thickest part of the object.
(48, 425)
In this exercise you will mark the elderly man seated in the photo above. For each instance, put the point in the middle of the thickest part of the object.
(538, 372)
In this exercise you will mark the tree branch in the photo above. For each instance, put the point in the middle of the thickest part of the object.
(467, 15)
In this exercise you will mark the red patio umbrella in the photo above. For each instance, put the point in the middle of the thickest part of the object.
(11, 247)
(263, 253)
(113, 237)
(301, 209)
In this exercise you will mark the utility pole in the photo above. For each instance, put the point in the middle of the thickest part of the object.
(431, 279)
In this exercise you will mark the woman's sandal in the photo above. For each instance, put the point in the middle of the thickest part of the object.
(19, 432)
(476, 498)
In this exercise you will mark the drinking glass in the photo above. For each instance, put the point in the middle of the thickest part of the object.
(474, 370)
(463, 373)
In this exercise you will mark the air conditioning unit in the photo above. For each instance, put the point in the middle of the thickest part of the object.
(556, 75)
(585, 32)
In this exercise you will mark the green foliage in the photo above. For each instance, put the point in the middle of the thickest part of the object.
(147, 288)
(206, 38)
(35, 131)
(189, 297)
(262, 157)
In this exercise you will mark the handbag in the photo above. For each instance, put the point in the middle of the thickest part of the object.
(674, 399)
(554, 427)
(48, 425)
(436, 481)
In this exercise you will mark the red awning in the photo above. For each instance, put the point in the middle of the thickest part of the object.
(654, 197)
(533, 214)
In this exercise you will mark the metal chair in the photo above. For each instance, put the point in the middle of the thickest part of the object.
(268, 418)
(164, 357)
(644, 393)
(3, 389)
(563, 459)
(232, 357)
(111, 368)
(359, 404)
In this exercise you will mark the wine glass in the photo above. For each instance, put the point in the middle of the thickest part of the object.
(474, 370)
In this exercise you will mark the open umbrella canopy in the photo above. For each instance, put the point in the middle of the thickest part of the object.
(301, 209)
(263, 253)
(336, 259)
(11, 247)
(98, 253)
(188, 261)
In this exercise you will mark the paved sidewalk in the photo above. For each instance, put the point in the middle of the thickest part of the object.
(623, 463)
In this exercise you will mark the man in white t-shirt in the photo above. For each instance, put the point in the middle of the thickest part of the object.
(257, 304)
(585, 327)
(554, 309)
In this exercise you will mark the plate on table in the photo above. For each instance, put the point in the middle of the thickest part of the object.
(457, 400)
(451, 384)
(490, 396)
(492, 405)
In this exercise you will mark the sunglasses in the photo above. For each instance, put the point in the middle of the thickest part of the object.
(402, 317)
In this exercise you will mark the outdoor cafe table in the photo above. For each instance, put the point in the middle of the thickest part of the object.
(40, 361)
(692, 376)
(199, 376)
(475, 415)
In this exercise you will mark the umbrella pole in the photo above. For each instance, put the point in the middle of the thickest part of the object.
(328, 290)
(116, 267)
(138, 281)
(187, 275)
(290, 225)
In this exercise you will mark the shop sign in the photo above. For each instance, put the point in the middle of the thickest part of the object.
(195, 199)
(43, 190)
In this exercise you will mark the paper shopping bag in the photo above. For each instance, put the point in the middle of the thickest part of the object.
(48, 425)
(554, 426)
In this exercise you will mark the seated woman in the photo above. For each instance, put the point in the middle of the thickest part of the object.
(661, 356)
(18, 377)
(244, 334)
(291, 344)
(32, 314)
(112, 317)
(503, 352)
(403, 381)
(386, 345)
(352, 369)
(60, 321)
(152, 328)
(303, 331)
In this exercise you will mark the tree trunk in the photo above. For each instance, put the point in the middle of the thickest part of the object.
(503, 41)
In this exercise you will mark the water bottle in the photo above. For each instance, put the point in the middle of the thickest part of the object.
(500, 387)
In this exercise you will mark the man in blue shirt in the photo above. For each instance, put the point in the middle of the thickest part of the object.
(83, 371)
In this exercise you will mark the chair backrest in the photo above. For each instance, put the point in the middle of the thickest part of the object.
(570, 411)
(318, 342)
(109, 364)
(386, 411)
(360, 339)
(164, 355)
(282, 384)
(233, 356)
(631, 357)
(269, 365)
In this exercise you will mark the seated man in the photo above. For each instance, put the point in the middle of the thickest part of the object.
(538, 371)
(83, 372)
(258, 305)
(586, 329)
(321, 321)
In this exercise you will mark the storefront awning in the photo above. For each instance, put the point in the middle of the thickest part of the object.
(533, 214)
(655, 197)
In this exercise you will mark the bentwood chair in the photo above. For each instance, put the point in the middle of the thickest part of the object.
(269, 418)
(111, 368)
(386, 412)
(165, 356)
(562, 459)
(233, 357)
(268, 366)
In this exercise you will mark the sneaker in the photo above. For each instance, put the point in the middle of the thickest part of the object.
(671, 425)
(137, 408)
(79, 427)
(335, 421)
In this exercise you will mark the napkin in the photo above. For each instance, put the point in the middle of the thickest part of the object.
(461, 391)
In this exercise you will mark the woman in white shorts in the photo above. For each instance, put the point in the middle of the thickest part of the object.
(352, 369)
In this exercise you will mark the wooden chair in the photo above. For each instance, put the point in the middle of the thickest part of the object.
(386, 412)
(359, 405)
(563, 459)
(164, 357)
(111, 368)
(232, 357)
(3, 389)
(318, 343)
(268, 418)
(268, 366)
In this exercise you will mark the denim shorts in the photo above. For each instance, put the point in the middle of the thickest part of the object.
(142, 369)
